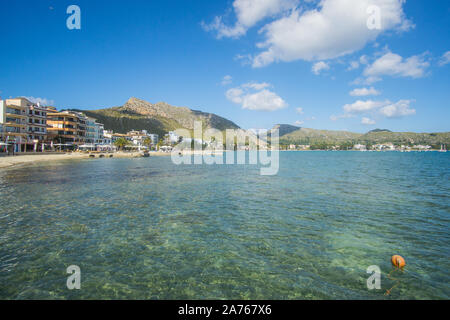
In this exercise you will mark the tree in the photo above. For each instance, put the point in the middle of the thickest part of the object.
(159, 144)
(147, 142)
(121, 143)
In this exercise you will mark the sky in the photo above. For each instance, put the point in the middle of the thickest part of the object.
(350, 65)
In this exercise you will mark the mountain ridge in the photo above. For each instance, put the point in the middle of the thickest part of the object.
(315, 136)
(159, 118)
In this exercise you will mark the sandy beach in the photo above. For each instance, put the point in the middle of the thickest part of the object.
(9, 161)
(24, 159)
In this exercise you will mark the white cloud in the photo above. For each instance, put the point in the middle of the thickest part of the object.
(364, 92)
(363, 59)
(42, 101)
(235, 95)
(353, 65)
(299, 122)
(398, 109)
(246, 59)
(333, 29)
(383, 109)
(391, 64)
(299, 110)
(256, 86)
(227, 80)
(256, 96)
(248, 13)
(264, 100)
(320, 66)
(367, 121)
(363, 106)
(445, 59)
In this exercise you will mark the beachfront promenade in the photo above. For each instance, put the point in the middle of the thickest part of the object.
(29, 158)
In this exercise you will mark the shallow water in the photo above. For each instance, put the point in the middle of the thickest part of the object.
(148, 229)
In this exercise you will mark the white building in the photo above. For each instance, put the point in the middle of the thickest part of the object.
(360, 147)
(37, 123)
(108, 137)
(94, 132)
(154, 138)
(173, 137)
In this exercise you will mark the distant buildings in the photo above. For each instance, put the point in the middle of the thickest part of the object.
(23, 124)
(138, 139)
(360, 147)
(94, 132)
(26, 126)
(66, 127)
(14, 120)
(172, 137)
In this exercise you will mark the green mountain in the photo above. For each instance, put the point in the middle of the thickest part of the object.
(284, 129)
(295, 135)
(380, 130)
(159, 118)
(313, 136)
(406, 138)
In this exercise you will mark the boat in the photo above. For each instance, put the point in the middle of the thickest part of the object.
(443, 148)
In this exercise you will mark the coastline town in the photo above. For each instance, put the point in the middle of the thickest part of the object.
(30, 128)
(27, 127)
(388, 146)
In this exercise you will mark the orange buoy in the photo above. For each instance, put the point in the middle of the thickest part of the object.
(398, 261)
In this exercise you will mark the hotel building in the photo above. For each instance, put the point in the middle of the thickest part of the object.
(67, 127)
(37, 123)
(14, 120)
(94, 131)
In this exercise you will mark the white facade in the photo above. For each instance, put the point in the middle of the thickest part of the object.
(154, 138)
(360, 147)
(173, 137)
(37, 122)
(94, 132)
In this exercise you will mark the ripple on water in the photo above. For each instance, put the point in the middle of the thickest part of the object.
(147, 229)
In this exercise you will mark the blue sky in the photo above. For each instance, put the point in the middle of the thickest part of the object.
(287, 61)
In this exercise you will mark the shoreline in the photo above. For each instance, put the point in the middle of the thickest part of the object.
(25, 159)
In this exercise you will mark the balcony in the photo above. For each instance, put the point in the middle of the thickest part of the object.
(16, 107)
(16, 115)
(14, 124)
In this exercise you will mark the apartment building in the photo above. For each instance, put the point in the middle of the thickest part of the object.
(37, 123)
(67, 127)
(154, 138)
(13, 120)
(108, 137)
(94, 131)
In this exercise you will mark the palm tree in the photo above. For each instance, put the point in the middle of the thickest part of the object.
(147, 142)
(121, 143)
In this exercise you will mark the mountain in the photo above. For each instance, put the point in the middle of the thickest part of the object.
(406, 138)
(159, 118)
(290, 135)
(312, 136)
(284, 129)
(379, 130)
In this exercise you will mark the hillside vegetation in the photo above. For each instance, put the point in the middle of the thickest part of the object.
(159, 118)
(326, 137)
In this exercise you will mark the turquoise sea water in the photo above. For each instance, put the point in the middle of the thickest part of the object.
(148, 229)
